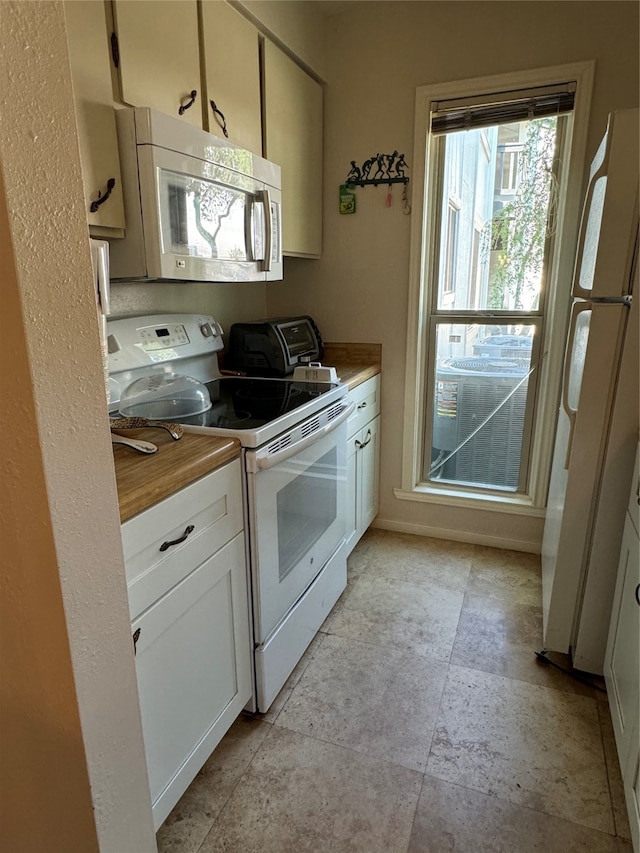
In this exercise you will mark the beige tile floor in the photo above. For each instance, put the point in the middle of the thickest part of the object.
(418, 720)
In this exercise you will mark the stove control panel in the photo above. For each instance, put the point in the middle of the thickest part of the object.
(177, 339)
(155, 338)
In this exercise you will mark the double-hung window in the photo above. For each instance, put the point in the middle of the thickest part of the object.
(488, 274)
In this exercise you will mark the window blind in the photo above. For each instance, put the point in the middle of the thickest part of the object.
(501, 108)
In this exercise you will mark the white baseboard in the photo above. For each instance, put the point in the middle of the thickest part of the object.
(471, 538)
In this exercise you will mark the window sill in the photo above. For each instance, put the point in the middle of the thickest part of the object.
(509, 504)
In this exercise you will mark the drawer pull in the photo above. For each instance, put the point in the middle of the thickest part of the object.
(189, 529)
(361, 444)
(136, 637)
(363, 405)
(638, 593)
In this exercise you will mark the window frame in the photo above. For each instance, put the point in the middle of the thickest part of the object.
(427, 191)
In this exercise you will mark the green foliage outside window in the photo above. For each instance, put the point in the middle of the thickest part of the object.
(518, 231)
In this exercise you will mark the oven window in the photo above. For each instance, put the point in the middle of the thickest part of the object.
(307, 507)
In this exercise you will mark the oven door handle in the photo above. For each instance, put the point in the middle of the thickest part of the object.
(266, 462)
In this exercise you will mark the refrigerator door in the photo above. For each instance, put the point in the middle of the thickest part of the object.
(606, 231)
(591, 368)
(598, 588)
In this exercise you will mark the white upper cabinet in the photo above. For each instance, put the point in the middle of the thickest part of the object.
(292, 115)
(231, 71)
(159, 57)
(95, 116)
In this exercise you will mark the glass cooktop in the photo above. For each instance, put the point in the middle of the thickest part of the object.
(240, 403)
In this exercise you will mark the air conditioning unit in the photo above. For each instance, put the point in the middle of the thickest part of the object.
(468, 391)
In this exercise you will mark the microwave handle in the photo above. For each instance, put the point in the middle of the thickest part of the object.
(265, 197)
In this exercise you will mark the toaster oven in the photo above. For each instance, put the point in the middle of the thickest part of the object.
(273, 347)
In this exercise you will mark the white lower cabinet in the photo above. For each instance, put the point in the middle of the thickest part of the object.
(622, 661)
(363, 460)
(190, 627)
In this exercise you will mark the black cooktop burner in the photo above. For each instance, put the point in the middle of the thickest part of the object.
(249, 403)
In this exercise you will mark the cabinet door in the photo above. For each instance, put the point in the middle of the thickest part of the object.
(159, 55)
(231, 68)
(293, 140)
(194, 671)
(95, 115)
(622, 662)
(369, 454)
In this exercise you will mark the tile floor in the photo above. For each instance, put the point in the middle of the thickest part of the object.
(418, 721)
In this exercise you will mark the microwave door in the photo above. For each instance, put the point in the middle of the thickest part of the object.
(202, 218)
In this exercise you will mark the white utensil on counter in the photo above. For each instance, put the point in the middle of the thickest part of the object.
(135, 443)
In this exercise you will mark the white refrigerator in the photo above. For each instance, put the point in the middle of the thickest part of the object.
(597, 431)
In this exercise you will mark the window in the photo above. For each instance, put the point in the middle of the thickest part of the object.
(500, 163)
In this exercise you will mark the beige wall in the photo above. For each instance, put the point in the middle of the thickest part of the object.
(298, 27)
(73, 769)
(377, 55)
(229, 303)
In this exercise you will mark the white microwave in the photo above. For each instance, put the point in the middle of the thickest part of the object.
(197, 208)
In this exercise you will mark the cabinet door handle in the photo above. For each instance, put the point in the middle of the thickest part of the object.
(223, 123)
(363, 405)
(189, 529)
(136, 637)
(638, 593)
(184, 107)
(361, 444)
(102, 198)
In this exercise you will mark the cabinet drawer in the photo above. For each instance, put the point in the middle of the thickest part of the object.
(367, 400)
(212, 505)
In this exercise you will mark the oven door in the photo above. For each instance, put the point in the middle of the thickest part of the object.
(297, 511)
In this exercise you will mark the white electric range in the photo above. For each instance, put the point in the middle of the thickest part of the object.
(294, 440)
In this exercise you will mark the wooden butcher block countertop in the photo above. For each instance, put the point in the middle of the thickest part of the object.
(354, 363)
(144, 480)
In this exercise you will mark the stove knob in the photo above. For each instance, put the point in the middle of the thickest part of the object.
(208, 331)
